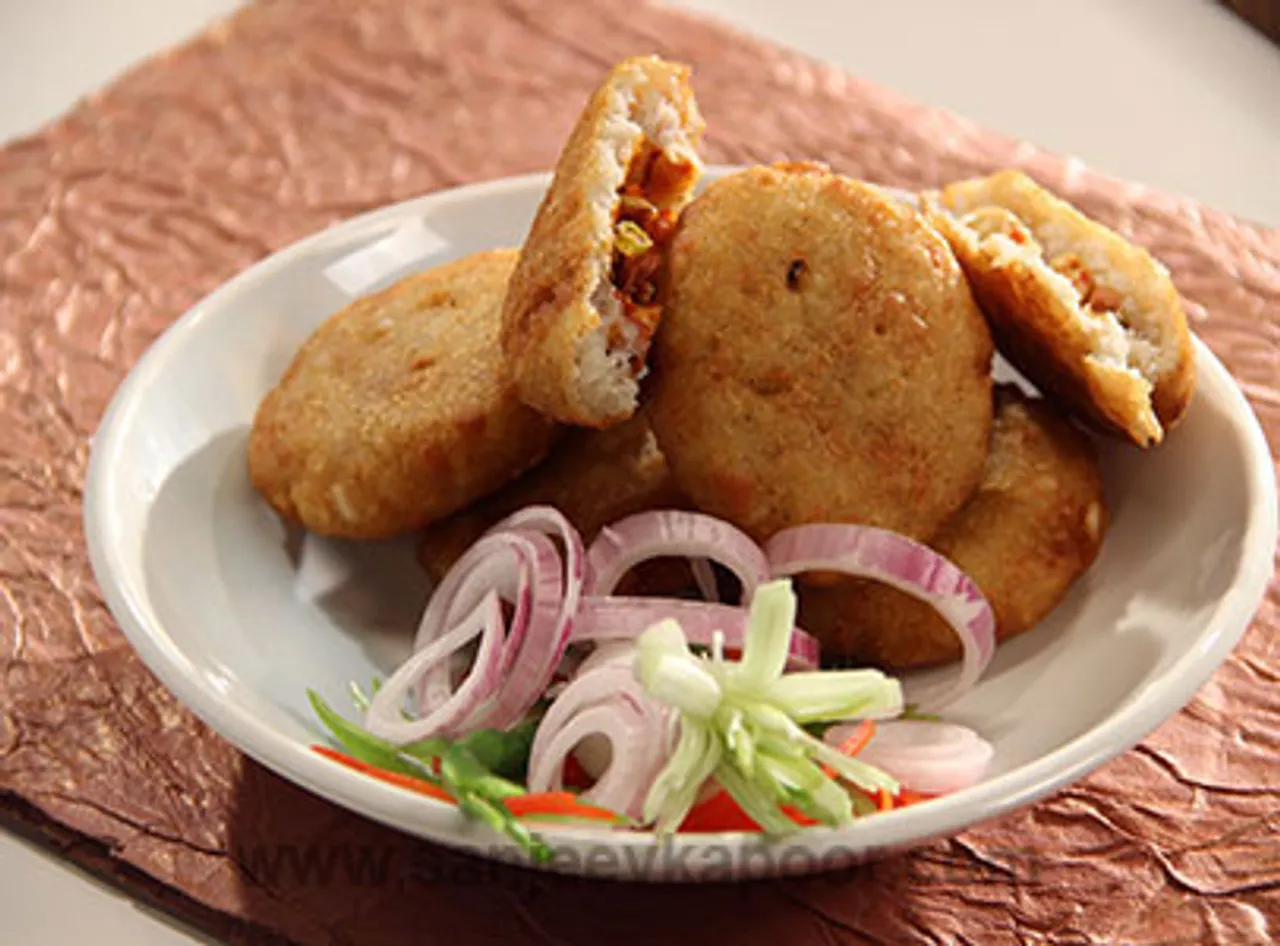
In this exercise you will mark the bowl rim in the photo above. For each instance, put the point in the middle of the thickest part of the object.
(127, 599)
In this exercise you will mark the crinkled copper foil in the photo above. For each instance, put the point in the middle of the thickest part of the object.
(296, 114)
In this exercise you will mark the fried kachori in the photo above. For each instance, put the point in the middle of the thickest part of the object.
(821, 358)
(1090, 318)
(1033, 527)
(398, 410)
(585, 298)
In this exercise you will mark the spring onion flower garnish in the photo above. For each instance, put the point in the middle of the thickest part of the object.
(740, 722)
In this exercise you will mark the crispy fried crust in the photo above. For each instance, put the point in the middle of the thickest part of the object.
(593, 477)
(1033, 527)
(398, 411)
(1046, 332)
(821, 358)
(552, 305)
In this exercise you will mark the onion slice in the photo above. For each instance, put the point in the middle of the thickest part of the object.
(539, 650)
(384, 716)
(927, 756)
(516, 562)
(672, 534)
(704, 576)
(910, 567)
(523, 568)
(616, 618)
(607, 704)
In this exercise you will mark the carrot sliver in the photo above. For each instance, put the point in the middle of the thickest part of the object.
(798, 816)
(909, 796)
(853, 743)
(558, 805)
(884, 801)
(421, 786)
(857, 740)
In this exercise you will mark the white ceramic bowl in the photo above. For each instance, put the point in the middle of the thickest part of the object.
(238, 615)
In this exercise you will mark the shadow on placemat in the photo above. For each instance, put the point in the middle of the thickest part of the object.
(318, 874)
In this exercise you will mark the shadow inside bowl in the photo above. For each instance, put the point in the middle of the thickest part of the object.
(361, 586)
(277, 610)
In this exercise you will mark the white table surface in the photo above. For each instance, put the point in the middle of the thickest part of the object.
(1176, 93)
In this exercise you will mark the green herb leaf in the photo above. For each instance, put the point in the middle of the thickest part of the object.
(461, 770)
(912, 711)
(504, 753)
(362, 745)
(464, 774)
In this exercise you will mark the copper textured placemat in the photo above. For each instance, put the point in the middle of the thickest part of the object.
(291, 116)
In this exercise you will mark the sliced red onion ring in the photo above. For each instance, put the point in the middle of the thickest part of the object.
(704, 576)
(384, 717)
(671, 534)
(543, 645)
(607, 704)
(619, 653)
(516, 562)
(552, 522)
(912, 568)
(931, 757)
(624, 619)
(523, 568)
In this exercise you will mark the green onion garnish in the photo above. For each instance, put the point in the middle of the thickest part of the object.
(630, 239)
(743, 722)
